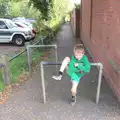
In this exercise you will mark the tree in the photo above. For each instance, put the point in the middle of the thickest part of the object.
(44, 6)
(4, 8)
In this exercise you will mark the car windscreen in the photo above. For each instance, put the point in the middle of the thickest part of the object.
(11, 24)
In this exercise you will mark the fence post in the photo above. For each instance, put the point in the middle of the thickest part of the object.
(43, 83)
(56, 53)
(42, 40)
(6, 70)
(29, 58)
(99, 83)
(26, 44)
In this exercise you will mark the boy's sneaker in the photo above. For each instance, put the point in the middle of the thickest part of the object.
(73, 100)
(57, 77)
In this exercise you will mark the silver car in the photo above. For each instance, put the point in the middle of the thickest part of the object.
(25, 25)
(10, 32)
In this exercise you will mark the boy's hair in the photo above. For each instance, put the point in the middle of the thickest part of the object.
(79, 47)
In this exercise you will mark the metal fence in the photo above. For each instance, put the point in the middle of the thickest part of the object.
(5, 61)
(99, 65)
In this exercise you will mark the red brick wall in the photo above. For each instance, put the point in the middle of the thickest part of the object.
(85, 29)
(75, 22)
(104, 43)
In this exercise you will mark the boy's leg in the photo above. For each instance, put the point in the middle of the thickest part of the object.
(74, 91)
(64, 64)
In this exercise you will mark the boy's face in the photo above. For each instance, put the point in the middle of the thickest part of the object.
(79, 54)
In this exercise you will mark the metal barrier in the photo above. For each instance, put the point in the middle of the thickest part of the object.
(17, 55)
(41, 40)
(100, 65)
(29, 55)
(5, 65)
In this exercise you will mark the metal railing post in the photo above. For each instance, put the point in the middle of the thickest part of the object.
(99, 83)
(29, 61)
(56, 53)
(30, 58)
(43, 83)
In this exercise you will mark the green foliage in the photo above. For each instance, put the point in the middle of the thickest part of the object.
(16, 0)
(16, 9)
(2, 85)
(60, 10)
(4, 8)
(77, 6)
(42, 27)
(20, 65)
(44, 6)
(50, 10)
(21, 8)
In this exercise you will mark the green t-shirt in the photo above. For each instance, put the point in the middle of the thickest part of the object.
(83, 67)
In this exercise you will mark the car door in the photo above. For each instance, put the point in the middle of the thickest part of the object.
(5, 33)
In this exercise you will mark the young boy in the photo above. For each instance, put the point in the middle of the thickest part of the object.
(77, 66)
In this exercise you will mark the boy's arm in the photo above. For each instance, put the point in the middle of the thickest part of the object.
(86, 67)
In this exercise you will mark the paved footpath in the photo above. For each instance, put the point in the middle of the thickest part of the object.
(26, 103)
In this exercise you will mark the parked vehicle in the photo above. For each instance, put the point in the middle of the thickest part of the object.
(22, 20)
(10, 32)
(23, 25)
(30, 26)
(19, 19)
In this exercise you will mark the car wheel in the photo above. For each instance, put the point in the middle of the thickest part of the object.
(19, 40)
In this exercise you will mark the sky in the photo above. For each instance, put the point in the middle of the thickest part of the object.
(76, 1)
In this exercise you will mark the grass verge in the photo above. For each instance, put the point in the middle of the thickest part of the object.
(2, 85)
(20, 65)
